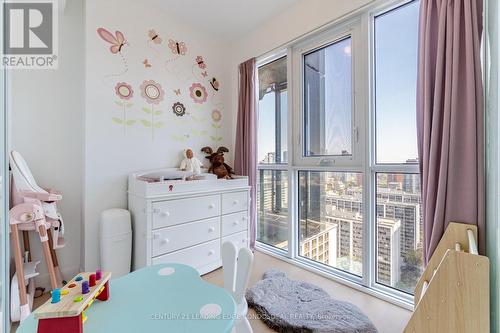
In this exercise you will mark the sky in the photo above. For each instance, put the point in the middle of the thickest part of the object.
(395, 82)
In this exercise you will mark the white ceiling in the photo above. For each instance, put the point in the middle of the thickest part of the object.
(226, 19)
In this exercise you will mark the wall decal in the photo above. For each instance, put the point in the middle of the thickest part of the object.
(215, 84)
(153, 93)
(154, 37)
(125, 92)
(117, 42)
(178, 49)
(216, 117)
(179, 109)
(177, 92)
(200, 62)
(204, 74)
(146, 63)
(198, 93)
(180, 138)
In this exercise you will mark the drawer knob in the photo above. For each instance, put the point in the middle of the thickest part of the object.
(165, 241)
(211, 252)
(165, 214)
(211, 206)
(236, 222)
(211, 229)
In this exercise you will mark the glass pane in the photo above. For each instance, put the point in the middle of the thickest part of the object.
(396, 34)
(399, 230)
(272, 137)
(331, 219)
(328, 100)
(272, 202)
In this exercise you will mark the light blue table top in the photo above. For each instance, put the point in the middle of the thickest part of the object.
(161, 298)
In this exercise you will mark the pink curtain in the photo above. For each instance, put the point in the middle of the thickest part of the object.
(245, 161)
(450, 117)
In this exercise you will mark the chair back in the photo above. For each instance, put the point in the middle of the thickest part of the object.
(237, 266)
(23, 177)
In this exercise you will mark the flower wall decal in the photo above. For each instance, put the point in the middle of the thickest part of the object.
(198, 93)
(216, 117)
(125, 92)
(179, 109)
(153, 93)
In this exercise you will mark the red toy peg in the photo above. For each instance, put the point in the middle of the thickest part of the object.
(92, 280)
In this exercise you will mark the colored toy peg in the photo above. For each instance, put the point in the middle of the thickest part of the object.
(56, 296)
(98, 274)
(85, 287)
(92, 278)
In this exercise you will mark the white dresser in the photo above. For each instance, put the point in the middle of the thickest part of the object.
(187, 221)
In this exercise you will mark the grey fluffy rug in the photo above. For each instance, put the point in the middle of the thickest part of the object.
(294, 306)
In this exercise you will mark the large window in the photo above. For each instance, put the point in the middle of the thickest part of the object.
(328, 99)
(331, 219)
(398, 212)
(345, 198)
(272, 195)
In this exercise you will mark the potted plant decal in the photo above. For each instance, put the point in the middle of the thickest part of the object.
(153, 93)
(216, 117)
(125, 92)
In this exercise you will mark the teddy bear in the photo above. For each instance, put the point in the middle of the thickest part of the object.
(218, 167)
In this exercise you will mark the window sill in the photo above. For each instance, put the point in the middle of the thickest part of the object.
(315, 269)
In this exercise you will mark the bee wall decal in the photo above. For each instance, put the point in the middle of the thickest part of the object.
(200, 62)
(154, 37)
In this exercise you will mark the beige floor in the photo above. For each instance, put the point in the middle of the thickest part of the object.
(386, 317)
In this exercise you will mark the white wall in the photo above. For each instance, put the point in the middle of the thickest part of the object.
(110, 154)
(46, 112)
(298, 20)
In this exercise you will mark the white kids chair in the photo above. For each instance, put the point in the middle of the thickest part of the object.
(237, 267)
(34, 209)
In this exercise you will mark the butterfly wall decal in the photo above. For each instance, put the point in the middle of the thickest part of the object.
(117, 41)
(204, 74)
(146, 63)
(178, 48)
(154, 37)
(177, 91)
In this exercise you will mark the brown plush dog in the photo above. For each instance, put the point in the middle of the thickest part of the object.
(218, 167)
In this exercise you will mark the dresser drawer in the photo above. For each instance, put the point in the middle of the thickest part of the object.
(234, 202)
(233, 223)
(196, 256)
(240, 239)
(180, 236)
(172, 212)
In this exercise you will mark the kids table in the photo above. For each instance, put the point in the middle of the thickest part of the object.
(160, 298)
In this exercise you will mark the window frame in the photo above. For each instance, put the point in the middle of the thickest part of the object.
(360, 25)
(352, 29)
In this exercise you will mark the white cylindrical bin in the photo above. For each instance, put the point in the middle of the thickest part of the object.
(115, 234)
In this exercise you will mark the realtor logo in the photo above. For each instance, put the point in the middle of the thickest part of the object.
(30, 35)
